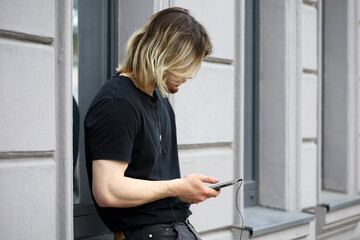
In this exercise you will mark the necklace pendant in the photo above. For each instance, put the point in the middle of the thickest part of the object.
(160, 138)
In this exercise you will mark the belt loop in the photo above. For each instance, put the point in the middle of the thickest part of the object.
(192, 229)
(176, 230)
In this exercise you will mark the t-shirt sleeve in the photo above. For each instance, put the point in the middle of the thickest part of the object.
(111, 127)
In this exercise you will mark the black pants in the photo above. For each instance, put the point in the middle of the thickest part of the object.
(182, 230)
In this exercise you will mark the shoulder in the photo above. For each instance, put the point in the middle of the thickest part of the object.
(116, 92)
(112, 103)
(114, 107)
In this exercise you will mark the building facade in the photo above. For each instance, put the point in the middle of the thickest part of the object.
(277, 104)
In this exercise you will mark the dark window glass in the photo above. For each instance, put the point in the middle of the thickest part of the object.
(250, 128)
(94, 61)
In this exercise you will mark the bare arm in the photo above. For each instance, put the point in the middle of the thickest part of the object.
(111, 188)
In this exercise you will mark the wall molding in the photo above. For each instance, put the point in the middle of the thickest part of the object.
(205, 145)
(311, 3)
(310, 71)
(26, 37)
(218, 60)
(26, 154)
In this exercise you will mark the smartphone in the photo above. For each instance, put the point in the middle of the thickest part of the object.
(218, 186)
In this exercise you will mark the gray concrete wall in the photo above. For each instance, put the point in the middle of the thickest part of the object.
(32, 200)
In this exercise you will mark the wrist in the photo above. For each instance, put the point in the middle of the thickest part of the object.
(174, 187)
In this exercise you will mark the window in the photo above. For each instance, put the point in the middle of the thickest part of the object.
(94, 38)
(250, 129)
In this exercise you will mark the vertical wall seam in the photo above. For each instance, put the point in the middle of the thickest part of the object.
(63, 100)
(238, 143)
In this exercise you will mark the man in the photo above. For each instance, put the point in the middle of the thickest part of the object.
(130, 133)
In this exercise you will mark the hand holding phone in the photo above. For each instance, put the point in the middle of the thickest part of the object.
(218, 186)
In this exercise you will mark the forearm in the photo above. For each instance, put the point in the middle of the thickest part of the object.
(131, 192)
(111, 188)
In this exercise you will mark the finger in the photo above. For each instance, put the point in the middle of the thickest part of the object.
(209, 179)
(211, 193)
(217, 193)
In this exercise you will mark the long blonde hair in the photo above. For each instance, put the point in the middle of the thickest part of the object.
(172, 42)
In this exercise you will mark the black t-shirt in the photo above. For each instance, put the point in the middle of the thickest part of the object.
(124, 123)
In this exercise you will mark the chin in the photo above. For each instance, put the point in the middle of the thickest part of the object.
(173, 89)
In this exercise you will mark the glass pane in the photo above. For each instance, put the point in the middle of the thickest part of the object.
(249, 92)
(75, 76)
(94, 57)
(250, 97)
(76, 116)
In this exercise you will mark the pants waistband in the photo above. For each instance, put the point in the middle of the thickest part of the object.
(145, 227)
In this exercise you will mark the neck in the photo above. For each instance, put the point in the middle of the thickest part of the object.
(148, 89)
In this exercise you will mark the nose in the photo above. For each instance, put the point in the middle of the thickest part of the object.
(184, 80)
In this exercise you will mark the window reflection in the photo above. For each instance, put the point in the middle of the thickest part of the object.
(76, 114)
